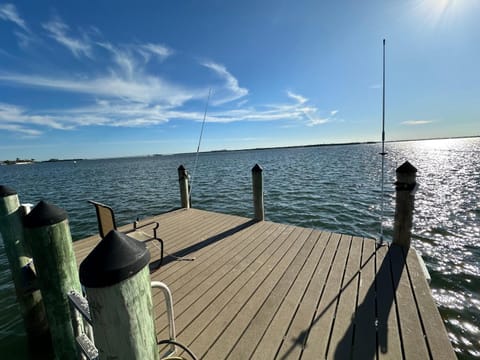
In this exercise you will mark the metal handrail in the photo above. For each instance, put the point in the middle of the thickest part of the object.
(171, 321)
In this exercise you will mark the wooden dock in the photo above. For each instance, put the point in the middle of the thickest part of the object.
(261, 290)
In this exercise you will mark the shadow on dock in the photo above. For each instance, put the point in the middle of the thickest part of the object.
(356, 339)
(211, 240)
(368, 330)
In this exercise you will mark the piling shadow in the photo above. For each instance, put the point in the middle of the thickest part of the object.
(211, 240)
(371, 321)
(368, 320)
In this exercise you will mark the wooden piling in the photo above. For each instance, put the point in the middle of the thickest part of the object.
(19, 258)
(257, 185)
(117, 281)
(405, 196)
(51, 242)
(184, 187)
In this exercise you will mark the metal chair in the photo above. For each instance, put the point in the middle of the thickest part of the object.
(106, 223)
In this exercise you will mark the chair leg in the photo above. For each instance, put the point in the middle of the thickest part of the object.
(161, 251)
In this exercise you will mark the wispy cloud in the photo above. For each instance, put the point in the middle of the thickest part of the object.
(15, 118)
(299, 98)
(20, 129)
(417, 122)
(159, 50)
(144, 89)
(58, 30)
(123, 92)
(231, 90)
(8, 12)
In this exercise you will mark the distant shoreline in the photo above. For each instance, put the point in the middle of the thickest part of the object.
(18, 161)
(317, 145)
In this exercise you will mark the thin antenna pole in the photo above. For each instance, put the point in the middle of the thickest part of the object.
(199, 143)
(383, 153)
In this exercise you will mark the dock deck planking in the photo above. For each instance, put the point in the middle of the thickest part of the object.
(262, 290)
(364, 344)
(270, 341)
(341, 340)
(388, 337)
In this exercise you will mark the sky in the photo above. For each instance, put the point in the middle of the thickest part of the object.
(94, 79)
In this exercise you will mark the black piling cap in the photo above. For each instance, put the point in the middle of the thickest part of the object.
(116, 258)
(6, 191)
(44, 214)
(182, 172)
(406, 168)
(257, 168)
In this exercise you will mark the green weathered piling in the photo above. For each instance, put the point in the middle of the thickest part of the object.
(405, 196)
(19, 259)
(184, 187)
(257, 185)
(117, 281)
(51, 242)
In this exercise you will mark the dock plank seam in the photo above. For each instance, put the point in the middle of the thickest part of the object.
(264, 316)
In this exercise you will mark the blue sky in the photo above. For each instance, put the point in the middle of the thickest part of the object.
(119, 78)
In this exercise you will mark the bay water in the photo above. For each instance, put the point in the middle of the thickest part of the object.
(334, 188)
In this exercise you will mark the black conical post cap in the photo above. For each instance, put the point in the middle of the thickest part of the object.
(6, 191)
(406, 168)
(116, 258)
(44, 214)
(257, 168)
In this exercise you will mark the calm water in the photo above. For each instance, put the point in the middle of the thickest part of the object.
(335, 188)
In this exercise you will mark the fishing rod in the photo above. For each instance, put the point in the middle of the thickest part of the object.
(198, 147)
(383, 153)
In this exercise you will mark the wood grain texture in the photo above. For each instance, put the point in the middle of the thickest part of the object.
(260, 290)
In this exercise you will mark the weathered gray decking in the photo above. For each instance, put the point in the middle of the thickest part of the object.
(265, 290)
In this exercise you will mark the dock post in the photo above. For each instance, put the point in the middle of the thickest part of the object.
(49, 237)
(257, 185)
(19, 255)
(405, 187)
(184, 187)
(117, 281)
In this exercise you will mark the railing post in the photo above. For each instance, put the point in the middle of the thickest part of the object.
(117, 281)
(257, 185)
(184, 187)
(51, 242)
(405, 186)
(19, 258)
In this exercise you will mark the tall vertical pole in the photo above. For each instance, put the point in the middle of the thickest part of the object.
(383, 153)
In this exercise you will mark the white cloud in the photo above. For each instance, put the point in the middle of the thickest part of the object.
(15, 118)
(20, 129)
(123, 93)
(299, 98)
(417, 122)
(231, 90)
(8, 12)
(141, 89)
(161, 51)
(57, 30)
